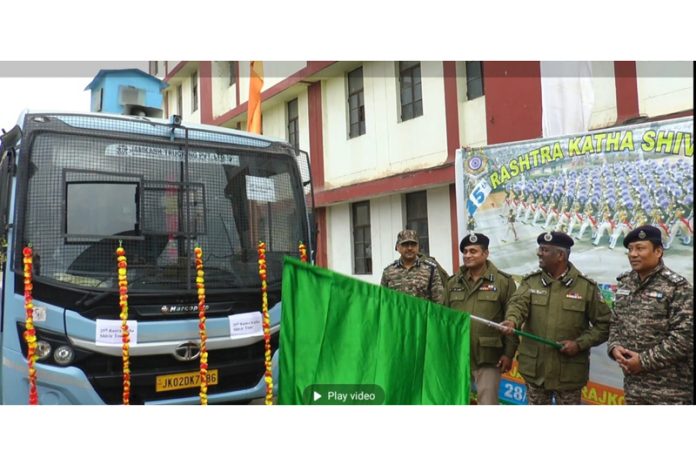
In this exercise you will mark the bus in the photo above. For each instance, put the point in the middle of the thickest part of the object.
(75, 186)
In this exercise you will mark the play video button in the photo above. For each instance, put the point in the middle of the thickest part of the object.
(343, 394)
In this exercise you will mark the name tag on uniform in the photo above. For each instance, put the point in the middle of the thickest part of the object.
(538, 291)
(623, 292)
(457, 289)
(487, 287)
(657, 295)
(574, 295)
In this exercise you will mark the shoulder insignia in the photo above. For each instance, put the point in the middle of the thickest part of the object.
(623, 275)
(429, 263)
(672, 276)
(587, 278)
(507, 275)
(533, 273)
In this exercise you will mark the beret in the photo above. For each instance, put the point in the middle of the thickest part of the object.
(557, 238)
(474, 239)
(645, 232)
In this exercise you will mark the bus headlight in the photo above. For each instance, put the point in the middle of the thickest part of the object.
(63, 355)
(43, 350)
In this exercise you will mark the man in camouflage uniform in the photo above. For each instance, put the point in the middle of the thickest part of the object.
(482, 290)
(411, 274)
(557, 303)
(651, 332)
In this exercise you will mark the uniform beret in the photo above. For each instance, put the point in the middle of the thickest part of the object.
(644, 233)
(474, 239)
(557, 238)
(407, 235)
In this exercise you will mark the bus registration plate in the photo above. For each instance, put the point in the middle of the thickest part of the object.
(188, 380)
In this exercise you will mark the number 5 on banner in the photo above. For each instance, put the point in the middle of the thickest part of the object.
(478, 196)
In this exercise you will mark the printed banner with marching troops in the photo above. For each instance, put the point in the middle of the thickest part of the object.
(594, 186)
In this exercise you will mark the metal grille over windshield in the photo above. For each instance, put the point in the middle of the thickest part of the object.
(86, 192)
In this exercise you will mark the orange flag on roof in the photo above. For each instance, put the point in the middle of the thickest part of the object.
(254, 104)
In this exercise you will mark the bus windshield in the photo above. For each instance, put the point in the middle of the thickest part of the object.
(87, 193)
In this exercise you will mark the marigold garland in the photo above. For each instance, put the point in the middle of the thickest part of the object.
(123, 304)
(303, 253)
(200, 285)
(266, 323)
(30, 332)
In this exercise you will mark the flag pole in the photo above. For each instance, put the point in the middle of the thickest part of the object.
(531, 336)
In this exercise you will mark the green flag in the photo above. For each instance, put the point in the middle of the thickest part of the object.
(340, 330)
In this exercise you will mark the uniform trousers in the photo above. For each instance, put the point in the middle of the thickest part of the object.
(537, 395)
(487, 380)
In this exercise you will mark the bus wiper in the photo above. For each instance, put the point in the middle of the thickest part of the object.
(90, 299)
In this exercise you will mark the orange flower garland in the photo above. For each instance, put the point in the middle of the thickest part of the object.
(303, 253)
(200, 285)
(266, 323)
(30, 332)
(123, 303)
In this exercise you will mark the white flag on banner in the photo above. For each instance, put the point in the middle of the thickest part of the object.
(478, 196)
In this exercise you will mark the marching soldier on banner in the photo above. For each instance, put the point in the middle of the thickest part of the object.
(411, 274)
(651, 332)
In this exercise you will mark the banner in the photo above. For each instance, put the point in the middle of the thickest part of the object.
(478, 196)
(339, 331)
(595, 187)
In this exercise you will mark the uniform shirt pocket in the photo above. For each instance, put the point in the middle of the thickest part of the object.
(490, 349)
(572, 317)
(541, 300)
(487, 305)
(575, 370)
(527, 358)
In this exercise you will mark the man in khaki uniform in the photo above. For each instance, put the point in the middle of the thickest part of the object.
(558, 303)
(482, 290)
(412, 274)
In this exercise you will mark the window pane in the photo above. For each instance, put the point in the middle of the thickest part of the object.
(404, 65)
(292, 109)
(92, 211)
(418, 108)
(474, 79)
(405, 97)
(417, 216)
(406, 112)
(355, 81)
(362, 263)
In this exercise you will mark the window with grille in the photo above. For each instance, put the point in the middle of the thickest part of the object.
(474, 79)
(410, 89)
(362, 243)
(417, 217)
(194, 91)
(293, 124)
(356, 103)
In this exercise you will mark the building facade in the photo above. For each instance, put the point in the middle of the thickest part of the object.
(382, 136)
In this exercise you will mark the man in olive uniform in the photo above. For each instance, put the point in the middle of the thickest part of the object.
(411, 274)
(651, 331)
(482, 290)
(557, 303)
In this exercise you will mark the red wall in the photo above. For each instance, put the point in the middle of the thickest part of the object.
(513, 100)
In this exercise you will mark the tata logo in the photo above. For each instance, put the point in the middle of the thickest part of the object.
(169, 309)
(187, 351)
